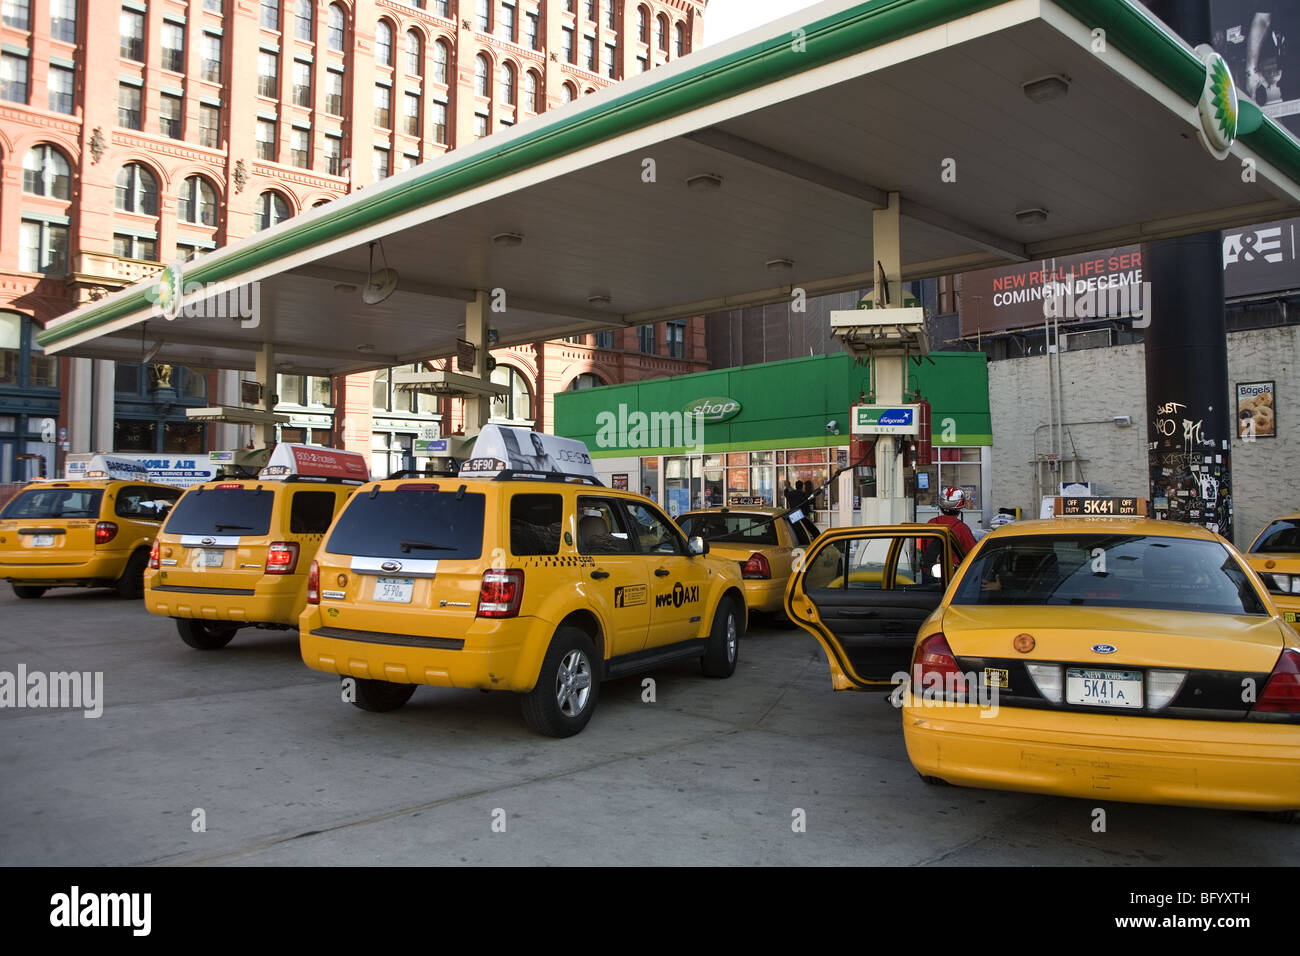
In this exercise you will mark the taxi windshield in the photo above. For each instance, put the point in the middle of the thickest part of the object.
(222, 511)
(1109, 570)
(421, 523)
(55, 503)
(1281, 537)
(742, 529)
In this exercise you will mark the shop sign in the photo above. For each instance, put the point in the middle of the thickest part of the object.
(713, 410)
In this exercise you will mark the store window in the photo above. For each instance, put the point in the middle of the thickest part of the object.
(517, 406)
(585, 380)
(959, 467)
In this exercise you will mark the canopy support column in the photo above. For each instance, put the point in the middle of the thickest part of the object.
(478, 408)
(264, 369)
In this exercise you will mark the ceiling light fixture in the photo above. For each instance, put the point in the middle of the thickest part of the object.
(365, 348)
(780, 265)
(705, 183)
(1054, 86)
(344, 287)
(599, 300)
(1032, 216)
(508, 240)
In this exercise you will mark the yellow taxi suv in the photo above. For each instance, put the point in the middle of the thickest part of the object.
(235, 554)
(1116, 658)
(762, 541)
(1275, 556)
(522, 574)
(92, 532)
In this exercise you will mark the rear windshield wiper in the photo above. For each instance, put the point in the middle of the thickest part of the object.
(236, 527)
(408, 546)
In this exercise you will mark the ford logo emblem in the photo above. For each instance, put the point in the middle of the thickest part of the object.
(391, 566)
(208, 541)
(1105, 648)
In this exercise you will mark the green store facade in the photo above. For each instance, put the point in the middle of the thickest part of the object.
(775, 423)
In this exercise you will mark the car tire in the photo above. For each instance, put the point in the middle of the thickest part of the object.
(205, 635)
(567, 687)
(723, 650)
(131, 584)
(380, 696)
(28, 591)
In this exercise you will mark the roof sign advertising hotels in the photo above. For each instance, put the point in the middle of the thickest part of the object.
(316, 462)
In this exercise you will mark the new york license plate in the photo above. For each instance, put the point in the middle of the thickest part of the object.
(394, 590)
(210, 558)
(1094, 688)
(42, 541)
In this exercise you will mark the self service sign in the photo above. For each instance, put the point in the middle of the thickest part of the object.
(886, 420)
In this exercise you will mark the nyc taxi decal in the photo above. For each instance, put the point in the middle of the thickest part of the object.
(679, 595)
(630, 595)
(561, 561)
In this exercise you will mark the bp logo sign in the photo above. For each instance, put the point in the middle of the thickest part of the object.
(713, 410)
(885, 420)
(1217, 106)
(166, 292)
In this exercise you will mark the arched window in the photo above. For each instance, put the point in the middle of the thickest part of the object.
(483, 75)
(302, 17)
(663, 32)
(533, 92)
(567, 93)
(441, 61)
(681, 39)
(643, 24)
(414, 53)
(384, 43)
(585, 380)
(137, 190)
(517, 405)
(198, 202)
(271, 208)
(338, 19)
(46, 173)
(508, 84)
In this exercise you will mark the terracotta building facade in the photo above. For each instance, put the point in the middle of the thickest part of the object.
(134, 133)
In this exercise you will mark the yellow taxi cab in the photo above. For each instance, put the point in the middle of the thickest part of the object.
(90, 532)
(1275, 555)
(1117, 658)
(235, 553)
(763, 541)
(521, 574)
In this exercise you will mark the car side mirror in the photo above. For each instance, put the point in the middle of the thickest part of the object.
(697, 546)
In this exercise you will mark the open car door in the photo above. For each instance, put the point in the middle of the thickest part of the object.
(864, 592)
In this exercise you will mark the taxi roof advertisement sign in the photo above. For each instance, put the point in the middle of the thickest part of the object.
(315, 461)
(500, 448)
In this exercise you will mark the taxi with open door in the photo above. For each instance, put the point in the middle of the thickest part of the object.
(235, 553)
(521, 574)
(1104, 655)
(1275, 555)
(94, 531)
(764, 543)
(863, 593)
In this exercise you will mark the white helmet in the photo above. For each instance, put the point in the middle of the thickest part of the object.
(952, 499)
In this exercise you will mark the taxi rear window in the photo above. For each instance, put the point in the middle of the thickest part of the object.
(55, 503)
(1281, 537)
(728, 528)
(1108, 570)
(423, 524)
(228, 511)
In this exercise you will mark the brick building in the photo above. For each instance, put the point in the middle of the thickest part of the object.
(133, 133)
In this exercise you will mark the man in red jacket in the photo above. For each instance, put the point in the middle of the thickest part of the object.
(950, 501)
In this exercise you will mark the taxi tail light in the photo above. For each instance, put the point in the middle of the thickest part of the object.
(1282, 692)
(934, 667)
(1049, 679)
(154, 562)
(501, 593)
(105, 532)
(282, 557)
(313, 584)
(230, 484)
(756, 568)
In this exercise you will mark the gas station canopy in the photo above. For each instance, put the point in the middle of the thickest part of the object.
(735, 174)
